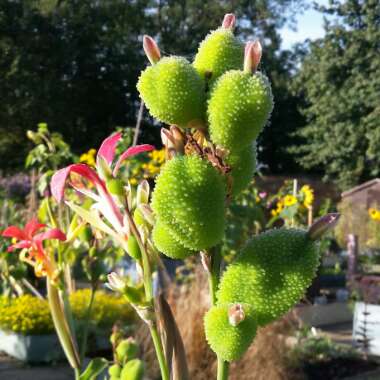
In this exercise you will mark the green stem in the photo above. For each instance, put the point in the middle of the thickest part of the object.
(159, 352)
(62, 327)
(147, 278)
(223, 369)
(77, 373)
(214, 277)
(87, 325)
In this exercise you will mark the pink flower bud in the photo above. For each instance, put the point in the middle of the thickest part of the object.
(229, 21)
(151, 49)
(252, 56)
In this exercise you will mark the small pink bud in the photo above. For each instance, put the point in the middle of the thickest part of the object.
(236, 314)
(252, 56)
(151, 49)
(229, 21)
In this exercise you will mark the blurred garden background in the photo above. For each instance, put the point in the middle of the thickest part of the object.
(68, 74)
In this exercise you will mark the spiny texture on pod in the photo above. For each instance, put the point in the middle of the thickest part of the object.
(271, 273)
(238, 109)
(166, 243)
(219, 52)
(228, 341)
(189, 197)
(173, 91)
(243, 166)
(133, 370)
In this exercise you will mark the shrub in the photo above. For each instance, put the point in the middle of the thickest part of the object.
(30, 315)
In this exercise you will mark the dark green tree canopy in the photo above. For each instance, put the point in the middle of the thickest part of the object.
(74, 64)
(340, 82)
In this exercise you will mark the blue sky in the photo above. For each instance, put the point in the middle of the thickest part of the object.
(309, 25)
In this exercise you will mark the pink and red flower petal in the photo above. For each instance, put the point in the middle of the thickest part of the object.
(58, 180)
(132, 151)
(108, 147)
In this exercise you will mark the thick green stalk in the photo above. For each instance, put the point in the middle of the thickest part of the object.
(223, 369)
(214, 277)
(159, 352)
(61, 326)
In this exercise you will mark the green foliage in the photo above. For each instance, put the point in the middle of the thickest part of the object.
(85, 86)
(26, 315)
(235, 97)
(173, 91)
(80, 84)
(189, 198)
(50, 153)
(271, 273)
(340, 79)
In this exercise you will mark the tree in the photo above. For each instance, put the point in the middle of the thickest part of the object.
(340, 80)
(74, 65)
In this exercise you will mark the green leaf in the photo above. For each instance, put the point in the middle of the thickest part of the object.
(94, 368)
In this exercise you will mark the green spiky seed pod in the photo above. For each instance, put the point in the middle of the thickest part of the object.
(114, 370)
(133, 370)
(133, 248)
(238, 109)
(271, 273)
(227, 341)
(219, 52)
(243, 167)
(166, 243)
(173, 91)
(190, 198)
(126, 350)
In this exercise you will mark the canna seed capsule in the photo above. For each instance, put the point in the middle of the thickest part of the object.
(238, 109)
(165, 243)
(271, 273)
(227, 340)
(173, 91)
(219, 52)
(190, 197)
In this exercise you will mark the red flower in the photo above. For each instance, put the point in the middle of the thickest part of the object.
(104, 202)
(30, 241)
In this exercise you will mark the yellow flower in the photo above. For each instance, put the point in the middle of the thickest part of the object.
(308, 194)
(278, 209)
(290, 200)
(133, 181)
(88, 157)
(374, 214)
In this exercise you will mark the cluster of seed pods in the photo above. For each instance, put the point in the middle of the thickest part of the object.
(216, 107)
